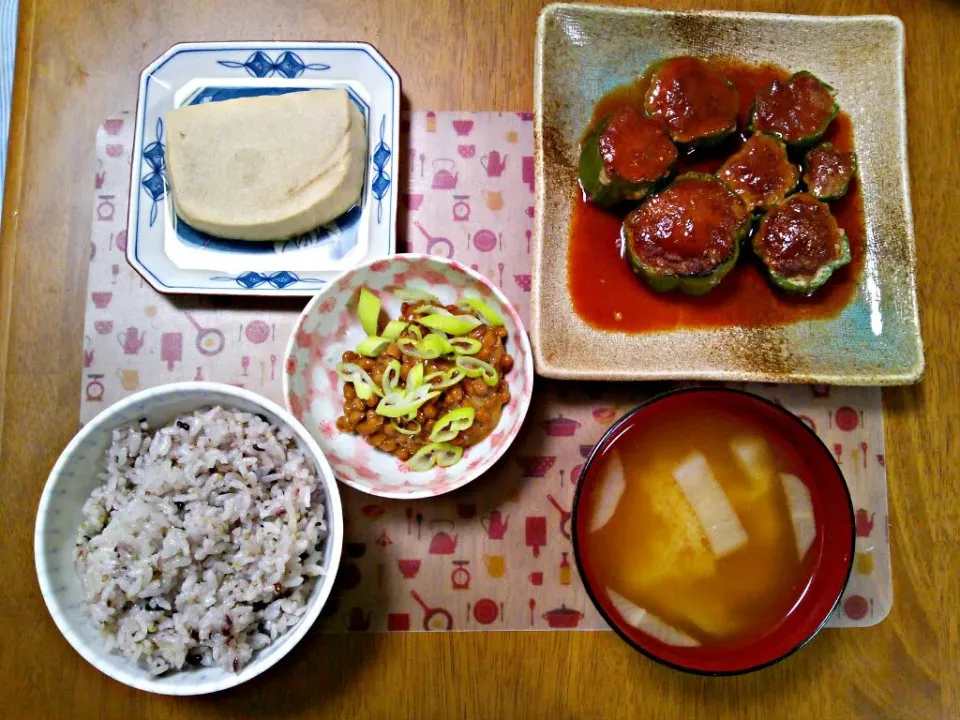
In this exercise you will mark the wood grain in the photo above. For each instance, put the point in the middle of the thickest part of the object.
(78, 61)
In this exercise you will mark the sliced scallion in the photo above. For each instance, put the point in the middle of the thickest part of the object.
(369, 311)
(416, 295)
(391, 376)
(466, 345)
(441, 454)
(432, 310)
(451, 324)
(447, 379)
(449, 455)
(400, 403)
(451, 424)
(474, 367)
(404, 431)
(429, 348)
(490, 316)
(435, 342)
(362, 382)
(394, 329)
(372, 346)
(415, 377)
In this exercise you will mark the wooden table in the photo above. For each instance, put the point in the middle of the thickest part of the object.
(78, 61)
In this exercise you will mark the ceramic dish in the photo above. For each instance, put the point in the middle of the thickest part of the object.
(329, 326)
(76, 474)
(175, 258)
(583, 52)
(830, 557)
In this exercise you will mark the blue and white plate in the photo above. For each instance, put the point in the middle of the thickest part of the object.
(176, 258)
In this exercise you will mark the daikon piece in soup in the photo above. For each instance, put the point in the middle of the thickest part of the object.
(699, 526)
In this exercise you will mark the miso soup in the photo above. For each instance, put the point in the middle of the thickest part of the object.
(699, 526)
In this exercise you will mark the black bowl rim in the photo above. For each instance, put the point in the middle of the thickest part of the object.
(592, 595)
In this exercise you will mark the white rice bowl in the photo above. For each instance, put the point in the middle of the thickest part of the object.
(188, 537)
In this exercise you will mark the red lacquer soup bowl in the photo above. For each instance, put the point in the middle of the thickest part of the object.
(827, 563)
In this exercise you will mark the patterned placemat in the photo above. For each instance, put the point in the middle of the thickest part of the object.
(496, 555)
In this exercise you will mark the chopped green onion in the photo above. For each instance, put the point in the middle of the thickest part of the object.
(474, 367)
(394, 329)
(424, 458)
(449, 455)
(391, 376)
(414, 329)
(490, 316)
(429, 348)
(416, 295)
(466, 345)
(399, 403)
(451, 324)
(362, 382)
(447, 379)
(404, 431)
(440, 454)
(434, 342)
(408, 346)
(415, 377)
(369, 311)
(431, 310)
(372, 346)
(451, 424)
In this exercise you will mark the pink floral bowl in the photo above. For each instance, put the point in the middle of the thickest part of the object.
(329, 326)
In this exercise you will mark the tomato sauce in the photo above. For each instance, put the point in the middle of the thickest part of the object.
(799, 236)
(761, 173)
(637, 148)
(828, 171)
(796, 109)
(609, 296)
(693, 97)
(704, 219)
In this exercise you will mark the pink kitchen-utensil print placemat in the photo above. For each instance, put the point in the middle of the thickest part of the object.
(496, 554)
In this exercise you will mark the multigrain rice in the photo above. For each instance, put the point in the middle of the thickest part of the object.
(203, 542)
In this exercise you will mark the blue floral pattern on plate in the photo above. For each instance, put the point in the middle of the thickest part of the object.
(381, 179)
(174, 257)
(288, 64)
(153, 179)
(279, 280)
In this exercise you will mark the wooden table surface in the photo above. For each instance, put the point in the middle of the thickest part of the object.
(78, 61)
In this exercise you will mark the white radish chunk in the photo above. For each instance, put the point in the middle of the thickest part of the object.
(755, 460)
(723, 528)
(647, 622)
(611, 485)
(801, 512)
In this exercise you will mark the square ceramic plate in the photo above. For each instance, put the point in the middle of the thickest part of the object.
(584, 51)
(176, 258)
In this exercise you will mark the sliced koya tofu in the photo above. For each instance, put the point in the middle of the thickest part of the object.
(711, 504)
(610, 487)
(649, 623)
(267, 167)
(801, 512)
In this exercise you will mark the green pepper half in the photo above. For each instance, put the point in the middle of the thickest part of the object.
(687, 237)
(624, 157)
